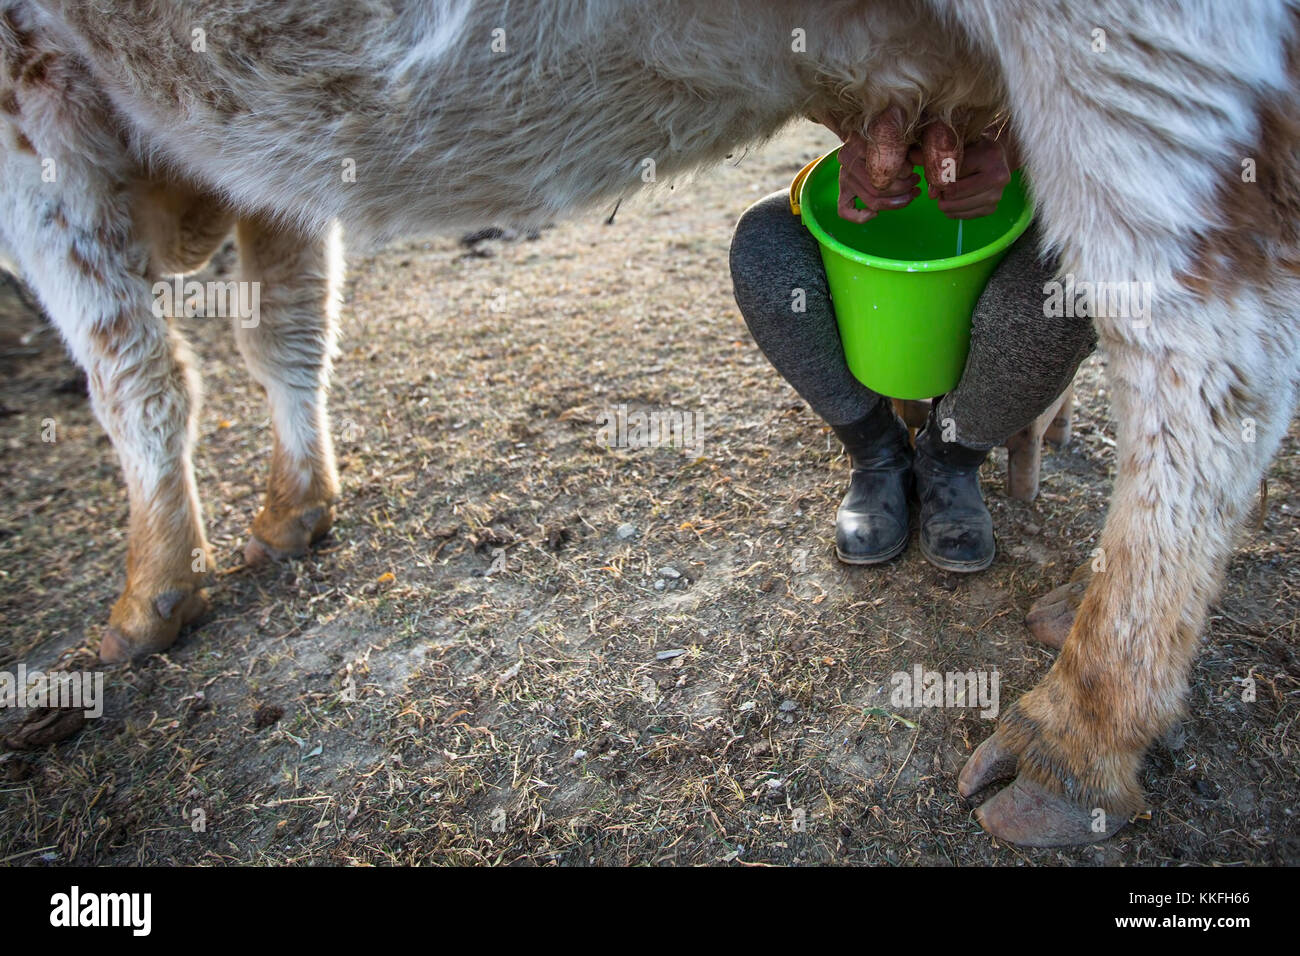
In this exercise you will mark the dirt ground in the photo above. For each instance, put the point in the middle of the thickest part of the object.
(474, 666)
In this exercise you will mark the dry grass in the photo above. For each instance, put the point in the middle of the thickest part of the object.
(524, 715)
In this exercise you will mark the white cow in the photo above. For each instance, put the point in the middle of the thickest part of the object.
(1162, 141)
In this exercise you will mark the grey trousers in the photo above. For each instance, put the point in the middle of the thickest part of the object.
(1019, 360)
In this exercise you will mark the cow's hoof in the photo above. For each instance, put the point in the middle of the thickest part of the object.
(991, 763)
(277, 536)
(140, 627)
(1026, 813)
(1050, 618)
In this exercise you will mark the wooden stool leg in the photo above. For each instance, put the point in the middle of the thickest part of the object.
(1024, 457)
(1058, 432)
(913, 412)
(900, 408)
(1025, 447)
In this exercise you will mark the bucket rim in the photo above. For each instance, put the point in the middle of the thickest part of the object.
(908, 265)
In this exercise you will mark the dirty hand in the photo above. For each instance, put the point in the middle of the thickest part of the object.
(984, 171)
(874, 168)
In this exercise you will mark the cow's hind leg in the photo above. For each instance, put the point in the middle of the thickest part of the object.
(1135, 142)
(287, 346)
(1195, 435)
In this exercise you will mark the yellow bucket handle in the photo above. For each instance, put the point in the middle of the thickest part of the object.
(797, 184)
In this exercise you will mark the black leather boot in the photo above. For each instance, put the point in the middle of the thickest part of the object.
(956, 527)
(871, 525)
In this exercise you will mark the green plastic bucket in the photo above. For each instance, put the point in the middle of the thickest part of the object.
(902, 294)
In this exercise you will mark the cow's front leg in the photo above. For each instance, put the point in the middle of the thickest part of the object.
(287, 344)
(1195, 432)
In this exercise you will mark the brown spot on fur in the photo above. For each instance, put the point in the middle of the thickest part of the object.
(109, 334)
(22, 143)
(1260, 221)
(37, 72)
(16, 46)
(1153, 49)
(1217, 417)
(83, 265)
(9, 103)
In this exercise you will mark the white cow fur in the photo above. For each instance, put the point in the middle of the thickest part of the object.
(1129, 150)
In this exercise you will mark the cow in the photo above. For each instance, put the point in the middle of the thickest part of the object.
(1161, 141)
